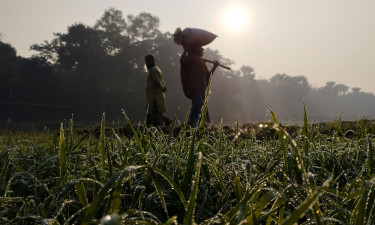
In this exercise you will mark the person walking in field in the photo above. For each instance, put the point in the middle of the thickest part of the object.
(155, 97)
(195, 77)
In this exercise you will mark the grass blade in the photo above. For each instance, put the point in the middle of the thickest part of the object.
(62, 154)
(282, 141)
(338, 129)
(91, 211)
(102, 147)
(301, 209)
(173, 186)
(204, 109)
(170, 135)
(172, 220)
(189, 168)
(279, 202)
(364, 206)
(81, 192)
(4, 170)
(139, 143)
(259, 207)
(189, 215)
(370, 161)
(238, 188)
(305, 125)
(116, 197)
(159, 191)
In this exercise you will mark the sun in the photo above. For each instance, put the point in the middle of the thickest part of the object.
(236, 18)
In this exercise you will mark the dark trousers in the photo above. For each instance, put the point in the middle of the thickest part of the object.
(197, 102)
(155, 118)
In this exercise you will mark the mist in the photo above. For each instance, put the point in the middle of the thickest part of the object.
(90, 70)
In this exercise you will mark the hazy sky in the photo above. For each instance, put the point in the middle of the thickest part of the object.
(324, 40)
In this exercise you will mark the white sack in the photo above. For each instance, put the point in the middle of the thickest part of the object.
(193, 36)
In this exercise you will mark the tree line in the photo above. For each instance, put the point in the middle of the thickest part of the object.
(94, 69)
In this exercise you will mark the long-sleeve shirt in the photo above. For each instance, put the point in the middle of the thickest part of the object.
(194, 75)
(155, 91)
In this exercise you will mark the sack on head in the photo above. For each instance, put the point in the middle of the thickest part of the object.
(193, 37)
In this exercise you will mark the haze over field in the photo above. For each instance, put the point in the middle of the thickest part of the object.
(92, 131)
(321, 40)
(87, 59)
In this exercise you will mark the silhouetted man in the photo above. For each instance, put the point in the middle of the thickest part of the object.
(194, 79)
(155, 98)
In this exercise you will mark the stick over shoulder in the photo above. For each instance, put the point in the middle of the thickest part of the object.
(210, 61)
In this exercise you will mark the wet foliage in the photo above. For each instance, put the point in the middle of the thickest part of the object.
(258, 173)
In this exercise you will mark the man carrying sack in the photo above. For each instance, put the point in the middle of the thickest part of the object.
(194, 73)
(194, 79)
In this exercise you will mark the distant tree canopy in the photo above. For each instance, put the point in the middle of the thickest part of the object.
(94, 69)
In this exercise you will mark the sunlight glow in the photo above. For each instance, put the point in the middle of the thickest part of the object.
(236, 18)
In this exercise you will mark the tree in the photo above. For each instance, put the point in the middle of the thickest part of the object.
(39, 84)
(113, 27)
(9, 71)
(341, 89)
(329, 89)
(248, 73)
(111, 22)
(289, 93)
(356, 90)
(143, 27)
(80, 49)
(47, 50)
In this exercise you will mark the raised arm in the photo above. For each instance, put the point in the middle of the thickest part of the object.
(183, 59)
(215, 65)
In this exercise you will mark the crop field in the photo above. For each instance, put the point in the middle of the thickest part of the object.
(261, 173)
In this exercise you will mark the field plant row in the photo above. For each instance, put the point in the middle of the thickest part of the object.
(193, 176)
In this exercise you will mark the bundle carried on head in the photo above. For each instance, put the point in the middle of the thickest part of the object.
(193, 37)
